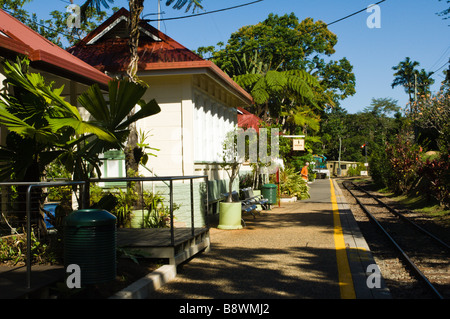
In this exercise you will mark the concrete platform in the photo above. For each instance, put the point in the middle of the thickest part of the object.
(156, 242)
(310, 249)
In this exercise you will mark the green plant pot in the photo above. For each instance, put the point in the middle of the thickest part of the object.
(230, 215)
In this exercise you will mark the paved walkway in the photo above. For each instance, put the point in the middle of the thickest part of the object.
(291, 251)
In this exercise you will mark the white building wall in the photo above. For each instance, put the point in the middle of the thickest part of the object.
(212, 121)
(165, 128)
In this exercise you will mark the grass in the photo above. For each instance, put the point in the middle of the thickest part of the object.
(418, 203)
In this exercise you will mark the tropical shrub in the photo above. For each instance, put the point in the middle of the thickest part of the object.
(356, 171)
(404, 158)
(292, 184)
(432, 117)
(436, 172)
(379, 166)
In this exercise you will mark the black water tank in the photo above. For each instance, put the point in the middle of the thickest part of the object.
(90, 243)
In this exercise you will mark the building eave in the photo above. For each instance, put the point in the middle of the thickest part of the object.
(197, 67)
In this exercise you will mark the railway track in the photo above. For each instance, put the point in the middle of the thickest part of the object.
(424, 254)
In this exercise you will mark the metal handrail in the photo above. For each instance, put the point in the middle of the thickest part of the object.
(28, 210)
(164, 179)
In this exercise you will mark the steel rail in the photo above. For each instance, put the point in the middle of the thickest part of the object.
(403, 217)
(406, 258)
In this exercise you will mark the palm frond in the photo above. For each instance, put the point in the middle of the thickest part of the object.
(181, 3)
(247, 80)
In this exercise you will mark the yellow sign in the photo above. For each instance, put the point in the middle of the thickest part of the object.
(298, 144)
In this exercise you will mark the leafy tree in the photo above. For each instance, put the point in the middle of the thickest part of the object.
(382, 107)
(284, 43)
(424, 82)
(333, 127)
(433, 120)
(375, 125)
(280, 62)
(281, 41)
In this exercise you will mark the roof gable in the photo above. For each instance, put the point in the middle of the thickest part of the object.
(119, 29)
(106, 48)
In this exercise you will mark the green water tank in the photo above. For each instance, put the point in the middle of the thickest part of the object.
(269, 191)
(90, 243)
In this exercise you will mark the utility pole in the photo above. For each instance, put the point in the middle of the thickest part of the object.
(414, 105)
(339, 159)
(159, 15)
(447, 78)
(365, 150)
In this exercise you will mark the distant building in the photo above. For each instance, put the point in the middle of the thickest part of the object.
(345, 166)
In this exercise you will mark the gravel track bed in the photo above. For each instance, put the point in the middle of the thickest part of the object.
(398, 278)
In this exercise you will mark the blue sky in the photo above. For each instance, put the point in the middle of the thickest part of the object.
(408, 28)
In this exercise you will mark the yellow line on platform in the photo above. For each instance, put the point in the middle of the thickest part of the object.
(345, 276)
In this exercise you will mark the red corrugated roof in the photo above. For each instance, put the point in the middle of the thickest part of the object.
(44, 54)
(106, 48)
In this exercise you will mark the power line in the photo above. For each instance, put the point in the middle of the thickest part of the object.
(203, 13)
(442, 66)
(325, 24)
(354, 13)
(439, 60)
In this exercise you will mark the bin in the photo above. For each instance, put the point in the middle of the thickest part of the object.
(269, 191)
(90, 243)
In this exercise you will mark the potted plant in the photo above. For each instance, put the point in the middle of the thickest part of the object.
(230, 213)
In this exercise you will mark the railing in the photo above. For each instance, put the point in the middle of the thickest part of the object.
(85, 189)
(169, 179)
(28, 213)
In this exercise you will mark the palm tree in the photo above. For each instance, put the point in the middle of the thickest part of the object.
(405, 76)
(32, 142)
(424, 81)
